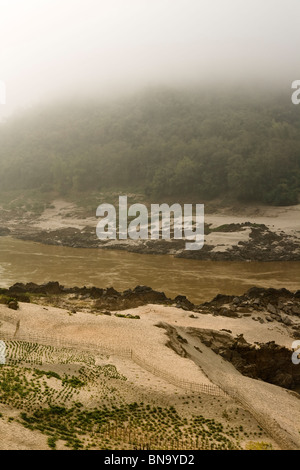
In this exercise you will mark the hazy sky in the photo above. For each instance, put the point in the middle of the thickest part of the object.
(49, 47)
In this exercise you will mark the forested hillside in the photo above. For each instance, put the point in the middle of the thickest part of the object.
(163, 142)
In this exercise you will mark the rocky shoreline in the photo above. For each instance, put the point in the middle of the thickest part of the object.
(263, 244)
(268, 361)
(265, 361)
(235, 233)
(263, 305)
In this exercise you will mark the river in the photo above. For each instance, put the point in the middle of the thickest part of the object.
(200, 281)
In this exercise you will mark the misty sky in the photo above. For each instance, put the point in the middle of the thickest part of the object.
(54, 47)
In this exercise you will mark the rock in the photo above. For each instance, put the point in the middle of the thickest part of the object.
(105, 299)
(221, 299)
(184, 303)
(241, 340)
(175, 340)
(286, 320)
(13, 304)
(244, 310)
(275, 316)
(296, 310)
(225, 312)
(269, 319)
(283, 379)
(49, 288)
(142, 289)
(271, 309)
(269, 362)
(286, 309)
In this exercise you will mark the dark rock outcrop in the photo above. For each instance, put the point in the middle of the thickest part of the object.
(175, 342)
(265, 361)
(105, 299)
(278, 305)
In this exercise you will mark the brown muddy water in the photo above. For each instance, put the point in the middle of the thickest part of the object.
(199, 280)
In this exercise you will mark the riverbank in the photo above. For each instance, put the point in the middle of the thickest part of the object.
(278, 310)
(234, 233)
(165, 347)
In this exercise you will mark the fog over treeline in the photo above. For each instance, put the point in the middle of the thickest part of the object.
(58, 48)
(189, 97)
(164, 142)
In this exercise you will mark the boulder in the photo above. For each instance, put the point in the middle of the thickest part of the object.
(296, 310)
(283, 379)
(286, 320)
(271, 309)
(13, 304)
(226, 312)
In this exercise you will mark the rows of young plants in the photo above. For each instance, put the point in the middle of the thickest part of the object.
(130, 426)
(56, 412)
(32, 353)
(84, 409)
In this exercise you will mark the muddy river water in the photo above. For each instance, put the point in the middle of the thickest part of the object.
(22, 261)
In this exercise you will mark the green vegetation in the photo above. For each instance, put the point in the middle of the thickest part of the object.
(131, 426)
(161, 143)
(47, 374)
(132, 317)
(259, 446)
(83, 406)
(10, 301)
(5, 298)
(73, 382)
(20, 352)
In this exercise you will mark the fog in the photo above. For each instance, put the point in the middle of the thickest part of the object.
(54, 48)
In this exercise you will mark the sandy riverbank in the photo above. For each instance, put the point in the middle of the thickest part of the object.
(276, 407)
(236, 233)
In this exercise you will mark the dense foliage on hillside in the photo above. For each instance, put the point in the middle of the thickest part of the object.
(165, 142)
